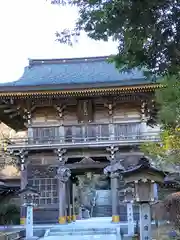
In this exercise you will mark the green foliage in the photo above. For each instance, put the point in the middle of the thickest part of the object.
(167, 150)
(147, 31)
(5, 158)
(9, 214)
(169, 100)
(148, 37)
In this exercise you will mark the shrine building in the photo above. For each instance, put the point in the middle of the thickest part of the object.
(79, 116)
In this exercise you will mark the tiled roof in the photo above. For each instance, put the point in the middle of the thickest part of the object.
(75, 72)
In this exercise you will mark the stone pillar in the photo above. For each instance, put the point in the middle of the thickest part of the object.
(29, 222)
(145, 221)
(130, 219)
(115, 199)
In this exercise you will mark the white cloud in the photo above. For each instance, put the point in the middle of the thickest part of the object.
(27, 31)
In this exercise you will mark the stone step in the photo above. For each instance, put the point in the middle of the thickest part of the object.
(79, 233)
(85, 237)
(102, 211)
(82, 231)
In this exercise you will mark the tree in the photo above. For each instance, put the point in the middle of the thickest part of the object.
(168, 149)
(9, 164)
(147, 31)
(149, 38)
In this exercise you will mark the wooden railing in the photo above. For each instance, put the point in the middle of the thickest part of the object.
(90, 133)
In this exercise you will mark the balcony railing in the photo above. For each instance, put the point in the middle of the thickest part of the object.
(91, 133)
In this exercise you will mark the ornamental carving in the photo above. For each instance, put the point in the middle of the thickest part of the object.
(114, 168)
(63, 174)
(87, 191)
(87, 160)
(41, 172)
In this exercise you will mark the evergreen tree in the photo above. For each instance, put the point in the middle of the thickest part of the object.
(149, 38)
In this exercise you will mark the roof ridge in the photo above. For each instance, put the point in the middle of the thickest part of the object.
(33, 62)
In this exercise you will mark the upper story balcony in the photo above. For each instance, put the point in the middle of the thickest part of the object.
(81, 135)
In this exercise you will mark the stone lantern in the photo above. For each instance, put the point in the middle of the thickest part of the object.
(144, 176)
(30, 195)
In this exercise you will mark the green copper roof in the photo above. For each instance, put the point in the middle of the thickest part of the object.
(72, 73)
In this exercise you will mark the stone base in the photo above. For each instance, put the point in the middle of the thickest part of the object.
(62, 220)
(73, 218)
(22, 221)
(68, 219)
(115, 219)
(32, 238)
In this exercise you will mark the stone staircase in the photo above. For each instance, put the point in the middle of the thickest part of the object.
(85, 230)
(86, 233)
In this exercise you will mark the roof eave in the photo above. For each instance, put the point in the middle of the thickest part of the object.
(24, 91)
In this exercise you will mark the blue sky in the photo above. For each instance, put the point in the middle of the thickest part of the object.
(27, 31)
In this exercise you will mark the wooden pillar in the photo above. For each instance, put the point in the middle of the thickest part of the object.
(63, 175)
(23, 163)
(143, 120)
(110, 108)
(73, 201)
(62, 202)
(61, 133)
(68, 202)
(115, 200)
(113, 171)
(111, 131)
